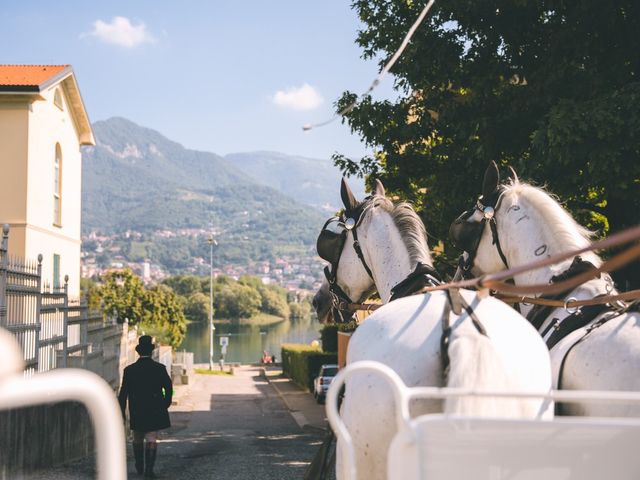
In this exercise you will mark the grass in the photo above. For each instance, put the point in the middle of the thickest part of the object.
(206, 371)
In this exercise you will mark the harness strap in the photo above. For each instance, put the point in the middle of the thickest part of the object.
(573, 322)
(496, 241)
(455, 303)
(358, 249)
(444, 342)
(539, 313)
(339, 297)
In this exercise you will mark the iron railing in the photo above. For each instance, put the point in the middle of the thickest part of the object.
(52, 331)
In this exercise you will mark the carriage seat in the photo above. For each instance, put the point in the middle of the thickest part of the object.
(440, 447)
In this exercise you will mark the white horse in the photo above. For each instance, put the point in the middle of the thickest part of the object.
(406, 333)
(528, 224)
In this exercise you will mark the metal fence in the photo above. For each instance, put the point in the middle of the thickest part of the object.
(53, 331)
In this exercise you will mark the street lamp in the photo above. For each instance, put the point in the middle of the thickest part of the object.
(212, 328)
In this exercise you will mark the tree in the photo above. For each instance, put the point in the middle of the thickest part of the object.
(274, 302)
(90, 292)
(300, 310)
(122, 293)
(551, 88)
(235, 301)
(163, 308)
(184, 285)
(197, 307)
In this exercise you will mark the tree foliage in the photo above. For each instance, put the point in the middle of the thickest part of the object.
(549, 87)
(164, 309)
(124, 296)
(300, 310)
(197, 307)
(122, 293)
(236, 301)
(233, 299)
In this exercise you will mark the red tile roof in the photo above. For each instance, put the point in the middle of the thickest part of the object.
(28, 75)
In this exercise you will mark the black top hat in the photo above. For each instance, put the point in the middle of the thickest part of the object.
(145, 345)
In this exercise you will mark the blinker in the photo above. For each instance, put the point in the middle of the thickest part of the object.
(331, 240)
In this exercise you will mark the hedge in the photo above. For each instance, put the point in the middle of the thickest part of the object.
(301, 363)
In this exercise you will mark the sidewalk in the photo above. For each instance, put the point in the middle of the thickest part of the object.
(244, 426)
(301, 404)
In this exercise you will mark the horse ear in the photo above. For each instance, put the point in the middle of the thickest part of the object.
(491, 180)
(348, 199)
(379, 189)
(512, 176)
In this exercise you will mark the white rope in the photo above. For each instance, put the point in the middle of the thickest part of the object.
(382, 73)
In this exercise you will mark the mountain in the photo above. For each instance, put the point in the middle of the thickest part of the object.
(137, 180)
(309, 180)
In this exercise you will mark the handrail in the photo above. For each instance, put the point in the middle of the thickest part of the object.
(68, 385)
(333, 415)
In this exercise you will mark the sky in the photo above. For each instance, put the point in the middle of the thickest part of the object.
(220, 76)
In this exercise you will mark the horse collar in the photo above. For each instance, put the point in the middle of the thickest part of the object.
(423, 276)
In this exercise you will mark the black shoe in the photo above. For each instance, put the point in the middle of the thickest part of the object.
(138, 453)
(149, 460)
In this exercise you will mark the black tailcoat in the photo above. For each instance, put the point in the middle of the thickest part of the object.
(142, 384)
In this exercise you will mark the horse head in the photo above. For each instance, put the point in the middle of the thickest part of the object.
(348, 276)
(469, 231)
(513, 223)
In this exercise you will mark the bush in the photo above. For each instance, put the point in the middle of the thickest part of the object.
(301, 363)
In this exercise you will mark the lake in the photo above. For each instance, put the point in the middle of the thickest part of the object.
(247, 342)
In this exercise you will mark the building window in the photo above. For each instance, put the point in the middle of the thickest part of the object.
(57, 188)
(56, 271)
(57, 99)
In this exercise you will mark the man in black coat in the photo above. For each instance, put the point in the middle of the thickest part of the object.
(148, 388)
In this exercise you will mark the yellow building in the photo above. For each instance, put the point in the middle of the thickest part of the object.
(43, 124)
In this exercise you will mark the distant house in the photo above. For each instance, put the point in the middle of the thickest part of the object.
(43, 124)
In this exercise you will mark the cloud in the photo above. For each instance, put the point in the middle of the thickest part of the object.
(298, 98)
(122, 32)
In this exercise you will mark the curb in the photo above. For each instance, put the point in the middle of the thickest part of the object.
(297, 415)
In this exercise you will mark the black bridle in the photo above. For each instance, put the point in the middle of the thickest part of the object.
(466, 234)
(330, 245)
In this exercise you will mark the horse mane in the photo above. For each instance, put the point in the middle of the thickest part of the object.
(410, 226)
(564, 231)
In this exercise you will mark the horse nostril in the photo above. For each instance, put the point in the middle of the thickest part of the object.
(315, 303)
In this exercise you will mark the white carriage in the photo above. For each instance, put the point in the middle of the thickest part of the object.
(440, 446)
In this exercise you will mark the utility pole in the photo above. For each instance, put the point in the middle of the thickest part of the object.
(212, 328)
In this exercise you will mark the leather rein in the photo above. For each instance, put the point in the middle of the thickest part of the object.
(496, 282)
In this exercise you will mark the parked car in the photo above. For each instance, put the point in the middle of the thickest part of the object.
(323, 380)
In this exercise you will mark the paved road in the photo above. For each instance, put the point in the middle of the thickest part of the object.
(227, 427)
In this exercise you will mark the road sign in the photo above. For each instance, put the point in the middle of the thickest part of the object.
(224, 341)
